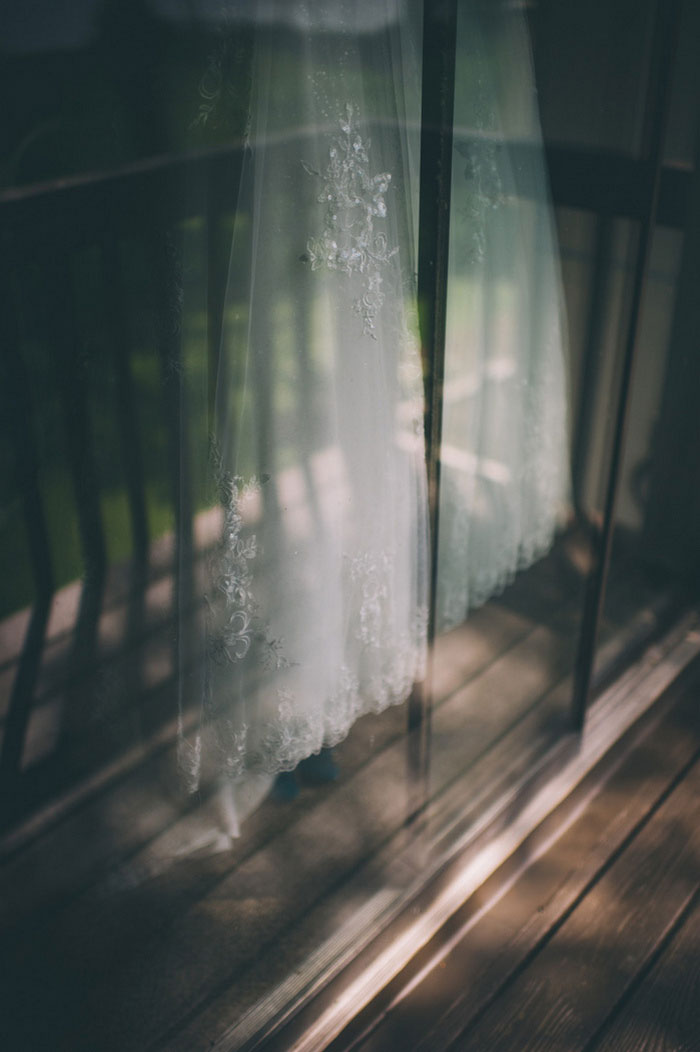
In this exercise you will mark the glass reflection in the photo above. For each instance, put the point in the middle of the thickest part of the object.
(505, 479)
(211, 533)
(235, 321)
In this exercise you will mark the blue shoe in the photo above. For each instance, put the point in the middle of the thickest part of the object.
(286, 787)
(319, 769)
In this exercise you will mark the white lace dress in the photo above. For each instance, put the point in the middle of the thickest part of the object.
(504, 466)
(316, 593)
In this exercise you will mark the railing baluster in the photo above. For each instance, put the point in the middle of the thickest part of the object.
(591, 351)
(656, 118)
(168, 291)
(439, 41)
(18, 415)
(127, 417)
(60, 328)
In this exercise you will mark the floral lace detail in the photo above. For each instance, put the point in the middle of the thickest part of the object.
(189, 757)
(290, 736)
(343, 705)
(233, 574)
(354, 200)
(281, 738)
(519, 520)
(371, 571)
(233, 624)
(221, 86)
(236, 753)
(482, 174)
(232, 632)
(211, 85)
(395, 682)
(237, 634)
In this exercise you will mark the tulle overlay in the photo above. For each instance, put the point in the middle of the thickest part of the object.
(504, 467)
(316, 592)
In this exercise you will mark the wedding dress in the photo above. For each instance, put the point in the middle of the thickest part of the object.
(504, 455)
(316, 588)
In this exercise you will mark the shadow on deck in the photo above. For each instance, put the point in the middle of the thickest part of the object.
(131, 921)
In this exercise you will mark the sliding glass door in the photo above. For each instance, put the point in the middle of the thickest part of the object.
(346, 455)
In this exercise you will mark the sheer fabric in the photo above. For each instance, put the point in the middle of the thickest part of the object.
(316, 591)
(504, 471)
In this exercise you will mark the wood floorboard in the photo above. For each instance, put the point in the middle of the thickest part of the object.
(130, 825)
(245, 912)
(479, 954)
(663, 1013)
(122, 936)
(154, 601)
(110, 908)
(565, 994)
(514, 756)
(389, 871)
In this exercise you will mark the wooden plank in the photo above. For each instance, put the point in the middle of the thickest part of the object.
(339, 924)
(61, 330)
(497, 681)
(116, 311)
(118, 589)
(663, 1015)
(479, 954)
(562, 997)
(156, 847)
(463, 726)
(467, 650)
(460, 654)
(17, 411)
(84, 846)
(221, 1014)
(121, 946)
(104, 938)
(56, 673)
(516, 823)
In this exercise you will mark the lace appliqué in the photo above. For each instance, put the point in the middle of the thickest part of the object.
(233, 624)
(269, 738)
(211, 86)
(233, 575)
(223, 84)
(482, 174)
(405, 665)
(235, 628)
(354, 200)
(189, 757)
(371, 572)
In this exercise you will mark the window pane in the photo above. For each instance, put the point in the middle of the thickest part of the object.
(509, 584)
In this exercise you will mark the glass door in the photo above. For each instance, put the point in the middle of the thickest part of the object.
(322, 324)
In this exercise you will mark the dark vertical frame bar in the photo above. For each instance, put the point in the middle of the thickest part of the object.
(168, 294)
(673, 506)
(127, 415)
(61, 331)
(116, 306)
(217, 272)
(665, 31)
(17, 412)
(594, 334)
(437, 109)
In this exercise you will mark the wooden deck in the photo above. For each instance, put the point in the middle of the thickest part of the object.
(125, 926)
(596, 945)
